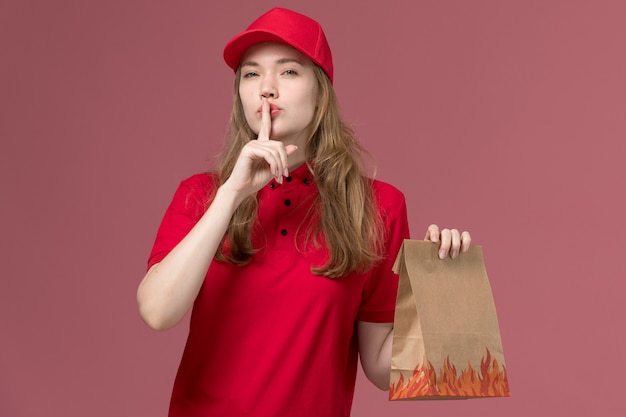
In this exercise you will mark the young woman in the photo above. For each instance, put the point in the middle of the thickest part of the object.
(284, 252)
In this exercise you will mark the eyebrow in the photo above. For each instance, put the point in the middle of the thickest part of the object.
(280, 61)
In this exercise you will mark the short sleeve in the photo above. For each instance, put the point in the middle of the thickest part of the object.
(380, 292)
(187, 206)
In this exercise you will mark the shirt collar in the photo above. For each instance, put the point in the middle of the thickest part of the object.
(301, 174)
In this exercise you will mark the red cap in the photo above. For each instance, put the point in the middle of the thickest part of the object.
(284, 26)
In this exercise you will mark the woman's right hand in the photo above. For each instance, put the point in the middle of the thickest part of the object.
(170, 287)
(260, 160)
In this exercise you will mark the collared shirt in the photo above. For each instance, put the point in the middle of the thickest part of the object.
(270, 338)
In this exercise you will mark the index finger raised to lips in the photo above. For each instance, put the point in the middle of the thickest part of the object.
(266, 121)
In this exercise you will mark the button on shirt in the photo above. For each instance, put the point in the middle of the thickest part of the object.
(283, 207)
(270, 338)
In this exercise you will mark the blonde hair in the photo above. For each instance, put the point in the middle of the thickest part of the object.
(349, 219)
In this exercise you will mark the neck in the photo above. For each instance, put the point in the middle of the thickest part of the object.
(296, 159)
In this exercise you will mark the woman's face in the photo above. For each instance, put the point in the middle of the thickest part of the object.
(286, 78)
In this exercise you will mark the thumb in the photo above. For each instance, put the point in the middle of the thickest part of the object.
(290, 149)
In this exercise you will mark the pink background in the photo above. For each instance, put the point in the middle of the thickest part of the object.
(504, 118)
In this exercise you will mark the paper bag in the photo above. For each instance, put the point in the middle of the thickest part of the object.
(446, 342)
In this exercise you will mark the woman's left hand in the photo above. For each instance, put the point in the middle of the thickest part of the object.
(452, 241)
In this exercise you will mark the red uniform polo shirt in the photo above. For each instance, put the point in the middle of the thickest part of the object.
(270, 338)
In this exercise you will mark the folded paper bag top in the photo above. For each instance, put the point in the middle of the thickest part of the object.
(446, 342)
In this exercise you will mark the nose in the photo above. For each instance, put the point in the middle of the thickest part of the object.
(268, 88)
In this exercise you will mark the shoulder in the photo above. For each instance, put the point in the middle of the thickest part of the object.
(202, 184)
(193, 193)
(203, 179)
(387, 194)
(390, 200)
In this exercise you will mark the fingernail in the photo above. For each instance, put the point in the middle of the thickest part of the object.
(286, 172)
(442, 254)
(455, 253)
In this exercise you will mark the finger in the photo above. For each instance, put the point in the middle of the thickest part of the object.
(456, 243)
(275, 160)
(257, 150)
(466, 240)
(266, 120)
(446, 241)
(284, 154)
(432, 233)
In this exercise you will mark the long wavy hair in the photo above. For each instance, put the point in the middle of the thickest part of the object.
(349, 220)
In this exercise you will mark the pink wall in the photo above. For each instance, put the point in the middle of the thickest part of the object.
(504, 118)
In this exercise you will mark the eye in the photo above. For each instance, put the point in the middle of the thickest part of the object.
(290, 72)
(249, 74)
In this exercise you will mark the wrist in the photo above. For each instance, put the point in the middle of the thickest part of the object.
(228, 198)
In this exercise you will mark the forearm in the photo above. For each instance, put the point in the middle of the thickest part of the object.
(382, 371)
(170, 287)
(375, 349)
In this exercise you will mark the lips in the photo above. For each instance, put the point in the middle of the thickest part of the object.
(274, 109)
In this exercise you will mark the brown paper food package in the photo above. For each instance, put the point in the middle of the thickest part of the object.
(446, 342)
